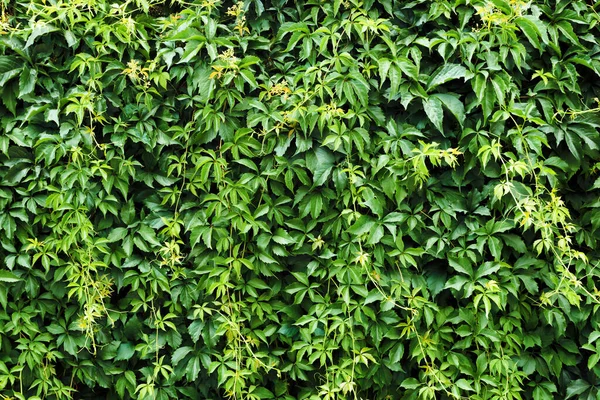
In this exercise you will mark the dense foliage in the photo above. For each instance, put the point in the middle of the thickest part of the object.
(312, 199)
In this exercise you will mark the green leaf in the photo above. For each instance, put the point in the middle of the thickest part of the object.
(407, 67)
(530, 29)
(40, 28)
(117, 234)
(9, 68)
(202, 82)
(567, 29)
(456, 282)
(577, 387)
(195, 329)
(282, 237)
(180, 354)
(9, 96)
(249, 77)
(453, 104)
(486, 269)
(446, 73)
(361, 88)
(410, 383)
(464, 385)
(462, 265)
(27, 81)
(320, 162)
(70, 38)
(363, 225)
(374, 202)
(9, 277)
(514, 241)
(125, 352)
(593, 336)
(433, 109)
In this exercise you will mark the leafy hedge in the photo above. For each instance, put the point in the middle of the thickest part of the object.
(299, 199)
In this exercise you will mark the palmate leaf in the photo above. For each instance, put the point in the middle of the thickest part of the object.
(248, 171)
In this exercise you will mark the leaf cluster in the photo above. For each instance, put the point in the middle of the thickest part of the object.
(308, 199)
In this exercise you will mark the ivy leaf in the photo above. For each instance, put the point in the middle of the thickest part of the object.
(514, 241)
(486, 269)
(433, 109)
(372, 201)
(577, 387)
(456, 282)
(9, 277)
(363, 225)
(180, 354)
(9, 68)
(27, 81)
(282, 237)
(453, 104)
(530, 29)
(40, 28)
(320, 163)
(446, 73)
(125, 352)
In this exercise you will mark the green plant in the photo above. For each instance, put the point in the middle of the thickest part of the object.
(299, 200)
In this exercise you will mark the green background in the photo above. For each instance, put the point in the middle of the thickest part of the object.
(299, 199)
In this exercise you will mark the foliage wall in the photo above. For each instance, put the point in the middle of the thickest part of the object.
(312, 199)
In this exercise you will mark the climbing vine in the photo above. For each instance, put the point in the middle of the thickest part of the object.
(299, 200)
